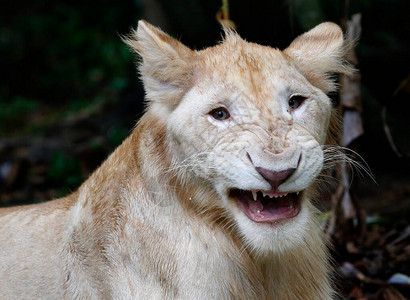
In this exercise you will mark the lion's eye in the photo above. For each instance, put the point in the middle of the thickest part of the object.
(296, 100)
(220, 114)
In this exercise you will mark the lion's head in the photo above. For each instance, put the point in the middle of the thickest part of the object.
(248, 122)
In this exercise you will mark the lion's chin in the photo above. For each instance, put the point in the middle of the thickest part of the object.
(267, 206)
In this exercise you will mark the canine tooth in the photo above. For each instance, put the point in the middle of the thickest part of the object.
(254, 195)
(258, 211)
(297, 193)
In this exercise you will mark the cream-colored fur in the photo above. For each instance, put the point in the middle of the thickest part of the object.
(156, 221)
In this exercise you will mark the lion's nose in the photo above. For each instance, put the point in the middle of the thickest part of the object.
(275, 178)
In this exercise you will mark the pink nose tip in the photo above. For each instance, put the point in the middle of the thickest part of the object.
(275, 178)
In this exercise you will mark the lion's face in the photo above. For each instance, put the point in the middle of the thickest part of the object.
(247, 122)
(253, 129)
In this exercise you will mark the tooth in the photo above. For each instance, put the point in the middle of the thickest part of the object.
(271, 196)
(254, 195)
(275, 196)
(297, 193)
(258, 211)
(290, 206)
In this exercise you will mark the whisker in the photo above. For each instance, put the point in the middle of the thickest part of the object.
(336, 155)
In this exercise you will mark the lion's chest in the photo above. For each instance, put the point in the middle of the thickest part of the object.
(180, 264)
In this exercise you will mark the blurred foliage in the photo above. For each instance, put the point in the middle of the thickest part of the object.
(308, 12)
(10, 113)
(63, 52)
(116, 135)
(65, 171)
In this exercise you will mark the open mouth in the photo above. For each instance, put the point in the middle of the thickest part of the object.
(267, 206)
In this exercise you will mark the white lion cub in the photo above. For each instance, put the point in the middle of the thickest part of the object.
(209, 197)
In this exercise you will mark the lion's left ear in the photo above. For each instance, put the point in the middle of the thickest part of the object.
(320, 52)
(165, 67)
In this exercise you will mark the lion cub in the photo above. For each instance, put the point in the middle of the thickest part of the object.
(209, 197)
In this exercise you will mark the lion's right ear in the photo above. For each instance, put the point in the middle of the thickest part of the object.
(320, 52)
(165, 68)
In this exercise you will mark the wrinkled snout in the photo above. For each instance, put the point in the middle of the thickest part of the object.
(275, 166)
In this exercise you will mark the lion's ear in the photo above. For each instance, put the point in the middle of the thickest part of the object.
(165, 67)
(320, 52)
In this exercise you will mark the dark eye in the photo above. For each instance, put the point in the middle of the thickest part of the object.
(220, 114)
(296, 100)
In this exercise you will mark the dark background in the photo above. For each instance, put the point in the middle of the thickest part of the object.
(69, 92)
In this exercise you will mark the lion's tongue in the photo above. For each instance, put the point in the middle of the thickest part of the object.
(270, 207)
